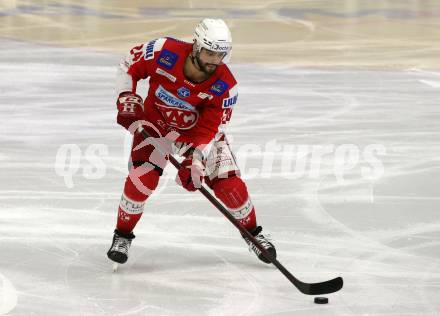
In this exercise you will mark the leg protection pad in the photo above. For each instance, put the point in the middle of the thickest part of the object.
(233, 193)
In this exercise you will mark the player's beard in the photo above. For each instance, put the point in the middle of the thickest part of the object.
(206, 68)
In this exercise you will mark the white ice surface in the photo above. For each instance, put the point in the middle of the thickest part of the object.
(382, 235)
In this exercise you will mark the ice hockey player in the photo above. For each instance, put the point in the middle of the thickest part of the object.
(190, 97)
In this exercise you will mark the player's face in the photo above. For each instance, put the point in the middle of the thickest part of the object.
(209, 60)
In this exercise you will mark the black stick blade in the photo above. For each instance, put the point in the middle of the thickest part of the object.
(325, 287)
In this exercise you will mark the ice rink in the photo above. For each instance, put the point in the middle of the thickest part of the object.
(336, 131)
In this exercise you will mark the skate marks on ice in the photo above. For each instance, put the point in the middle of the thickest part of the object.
(62, 269)
(189, 260)
(431, 78)
(168, 278)
(372, 219)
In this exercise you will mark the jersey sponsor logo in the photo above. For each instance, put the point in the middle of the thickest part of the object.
(149, 50)
(219, 87)
(177, 113)
(162, 72)
(167, 59)
(229, 102)
(203, 95)
(179, 118)
(171, 100)
(183, 92)
(189, 83)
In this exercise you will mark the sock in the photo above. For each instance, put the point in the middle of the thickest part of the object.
(139, 185)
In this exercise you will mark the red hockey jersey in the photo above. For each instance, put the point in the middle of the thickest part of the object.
(195, 110)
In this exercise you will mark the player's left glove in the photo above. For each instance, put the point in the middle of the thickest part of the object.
(191, 173)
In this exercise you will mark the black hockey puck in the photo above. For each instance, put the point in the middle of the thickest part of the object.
(321, 300)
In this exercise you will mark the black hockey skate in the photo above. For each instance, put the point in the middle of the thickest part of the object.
(264, 241)
(118, 251)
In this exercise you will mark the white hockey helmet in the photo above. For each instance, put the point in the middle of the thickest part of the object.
(213, 34)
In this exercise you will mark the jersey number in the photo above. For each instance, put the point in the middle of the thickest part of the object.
(227, 113)
(137, 53)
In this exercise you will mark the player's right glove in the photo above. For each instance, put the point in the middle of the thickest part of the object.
(130, 109)
(191, 173)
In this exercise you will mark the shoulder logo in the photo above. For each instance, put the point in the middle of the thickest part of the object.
(183, 92)
(230, 102)
(219, 87)
(167, 59)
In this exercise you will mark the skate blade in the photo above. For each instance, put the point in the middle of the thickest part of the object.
(115, 266)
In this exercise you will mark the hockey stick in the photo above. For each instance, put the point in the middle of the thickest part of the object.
(325, 287)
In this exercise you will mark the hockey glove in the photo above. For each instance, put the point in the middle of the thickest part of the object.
(190, 174)
(130, 109)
